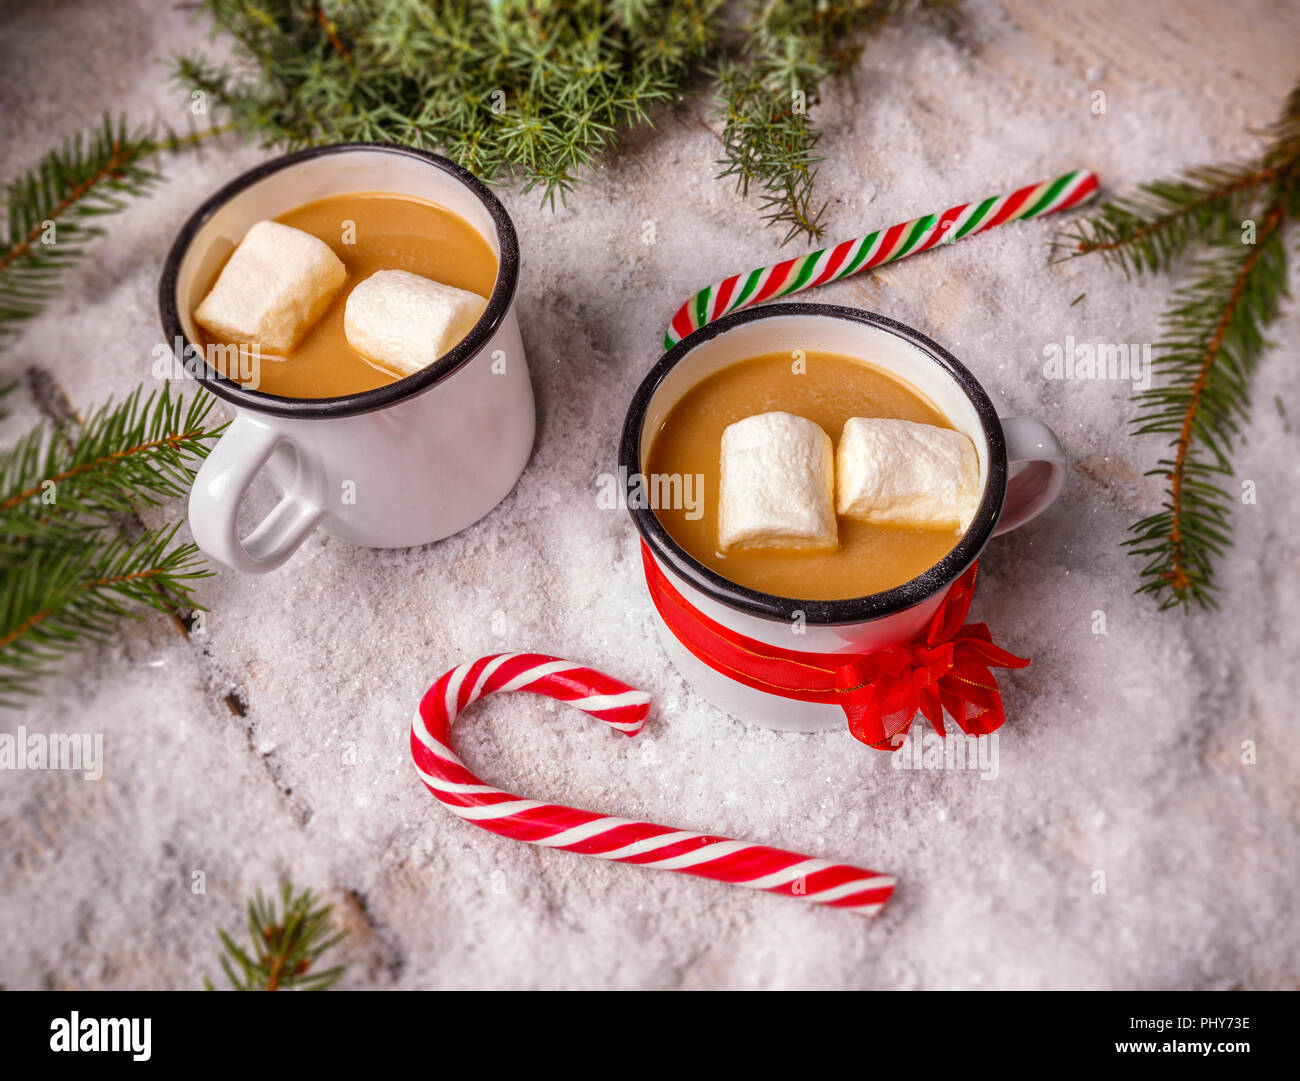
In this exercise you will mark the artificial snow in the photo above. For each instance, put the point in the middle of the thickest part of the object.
(1127, 837)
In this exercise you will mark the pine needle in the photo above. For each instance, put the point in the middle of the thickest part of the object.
(285, 945)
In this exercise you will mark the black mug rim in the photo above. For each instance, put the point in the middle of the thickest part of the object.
(366, 401)
(849, 610)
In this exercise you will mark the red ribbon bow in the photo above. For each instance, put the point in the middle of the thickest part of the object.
(946, 668)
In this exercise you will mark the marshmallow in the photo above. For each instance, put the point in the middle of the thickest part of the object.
(274, 286)
(895, 472)
(777, 475)
(406, 322)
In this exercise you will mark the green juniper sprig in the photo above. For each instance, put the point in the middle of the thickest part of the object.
(1238, 216)
(52, 211)
(68, 568)
(540, 90)
(789, 50)
(536, 89)
(771, 145)
(286, 944)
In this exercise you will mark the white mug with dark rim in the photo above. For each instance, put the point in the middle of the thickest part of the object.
(400, 465)
(1022, 470)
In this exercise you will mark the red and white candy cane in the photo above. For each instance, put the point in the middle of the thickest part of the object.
(552, 825)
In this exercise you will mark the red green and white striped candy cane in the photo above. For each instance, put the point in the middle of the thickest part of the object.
(883, 246)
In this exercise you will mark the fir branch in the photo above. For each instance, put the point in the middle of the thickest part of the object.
(70, 566)
(127, 455)
(1216, 339)
(52, 210)
(286, 945)
(1148, 232)
(331, 31)
(68, 572)
(1213, 340)
(66, 595)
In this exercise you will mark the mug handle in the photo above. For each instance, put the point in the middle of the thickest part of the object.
(1032, 445)
(219, 490)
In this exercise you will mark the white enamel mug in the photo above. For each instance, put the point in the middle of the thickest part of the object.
(1022, 469)
(401, 465)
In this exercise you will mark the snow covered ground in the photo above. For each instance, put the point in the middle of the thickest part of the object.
(1123, 753)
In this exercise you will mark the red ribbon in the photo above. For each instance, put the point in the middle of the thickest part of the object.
(944, 669)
